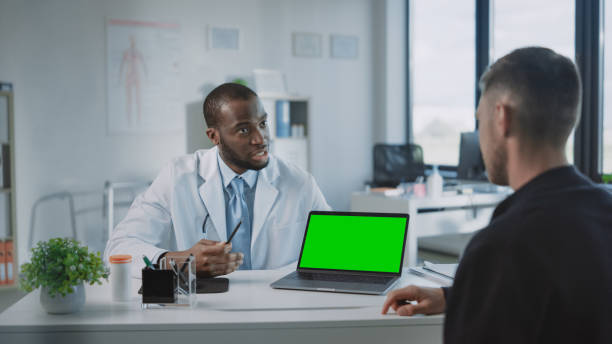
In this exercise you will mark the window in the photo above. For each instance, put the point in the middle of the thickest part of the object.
(547, 23)
(443, 68)
(606, 144)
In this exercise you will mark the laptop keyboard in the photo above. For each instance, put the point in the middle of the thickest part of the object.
(340, 278)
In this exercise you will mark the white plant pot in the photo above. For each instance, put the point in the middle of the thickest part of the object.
(59, 304)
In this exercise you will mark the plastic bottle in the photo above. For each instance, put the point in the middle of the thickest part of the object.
(120, 276)
(434, 183)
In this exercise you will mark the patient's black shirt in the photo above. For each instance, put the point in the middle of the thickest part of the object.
(541, 272)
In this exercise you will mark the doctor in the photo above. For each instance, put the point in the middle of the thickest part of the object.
(197, 200)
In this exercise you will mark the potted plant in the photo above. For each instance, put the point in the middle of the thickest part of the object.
(60, 266)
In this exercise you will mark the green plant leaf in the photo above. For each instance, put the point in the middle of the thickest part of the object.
(60, 264)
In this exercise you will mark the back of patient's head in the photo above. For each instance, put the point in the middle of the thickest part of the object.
(220, 96)
(545, 89)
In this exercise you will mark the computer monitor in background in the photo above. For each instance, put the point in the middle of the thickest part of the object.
(471, 166)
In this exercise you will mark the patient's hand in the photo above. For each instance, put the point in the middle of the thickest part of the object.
(213, 258)
(429, 301)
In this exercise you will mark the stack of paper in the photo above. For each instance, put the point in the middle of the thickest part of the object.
(442, 274)
(447, 270)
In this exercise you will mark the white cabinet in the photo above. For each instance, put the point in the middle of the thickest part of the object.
(288, 120)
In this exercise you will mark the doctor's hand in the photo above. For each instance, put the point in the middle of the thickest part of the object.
(429, 301)
(213, 258)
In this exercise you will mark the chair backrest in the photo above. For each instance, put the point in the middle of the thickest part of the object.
(396, 163)
(52, 215)
(118, 197)
(471, 165)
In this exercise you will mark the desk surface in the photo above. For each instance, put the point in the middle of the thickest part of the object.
(250, 304)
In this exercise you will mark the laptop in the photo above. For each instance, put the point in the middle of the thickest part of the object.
(349, 252)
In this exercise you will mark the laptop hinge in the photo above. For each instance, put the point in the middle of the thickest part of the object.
(355, 273)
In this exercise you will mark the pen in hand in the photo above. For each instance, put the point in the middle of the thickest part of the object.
(229, 240)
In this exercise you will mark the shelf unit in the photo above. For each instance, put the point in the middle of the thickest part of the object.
(294, 145)
(8, 214)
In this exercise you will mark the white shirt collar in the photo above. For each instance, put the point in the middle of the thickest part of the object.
(227, 174)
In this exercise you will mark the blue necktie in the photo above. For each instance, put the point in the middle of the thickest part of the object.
(238, 210)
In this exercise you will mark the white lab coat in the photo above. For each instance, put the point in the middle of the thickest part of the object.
(169, 216)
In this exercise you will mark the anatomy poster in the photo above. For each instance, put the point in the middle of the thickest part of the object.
(143, 77)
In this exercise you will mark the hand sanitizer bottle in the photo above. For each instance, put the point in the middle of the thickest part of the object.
(434, 183)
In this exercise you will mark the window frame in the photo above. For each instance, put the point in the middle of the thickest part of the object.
(589, 48)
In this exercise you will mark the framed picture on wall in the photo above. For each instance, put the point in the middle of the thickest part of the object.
(223, 38)
(307, 44)
(344, 47)
(142, 66)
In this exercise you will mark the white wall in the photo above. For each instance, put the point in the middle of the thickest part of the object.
(389, 27)
(54, 53)
(395, 55)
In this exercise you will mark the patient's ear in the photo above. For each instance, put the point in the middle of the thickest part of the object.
(504, 113)
(213, 135)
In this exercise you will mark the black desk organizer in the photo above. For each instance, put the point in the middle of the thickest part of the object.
(158, 285)
(206, 285)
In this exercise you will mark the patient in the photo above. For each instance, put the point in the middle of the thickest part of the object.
(541, 271)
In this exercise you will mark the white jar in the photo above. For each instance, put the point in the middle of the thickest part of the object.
(121, 276)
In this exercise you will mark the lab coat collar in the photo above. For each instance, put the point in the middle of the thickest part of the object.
(211, 193)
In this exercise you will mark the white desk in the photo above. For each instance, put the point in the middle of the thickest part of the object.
(251, 312)
(447, 214)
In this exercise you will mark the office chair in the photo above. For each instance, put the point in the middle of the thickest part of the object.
(53, 206)
(396, 163)
(115, 208)
(471, 166)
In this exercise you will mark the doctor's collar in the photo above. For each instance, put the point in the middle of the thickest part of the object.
(227, 174)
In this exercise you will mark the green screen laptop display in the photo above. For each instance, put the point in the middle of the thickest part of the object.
(361, 243)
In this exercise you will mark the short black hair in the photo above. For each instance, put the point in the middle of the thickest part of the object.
(547, 89)
(221, 95)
